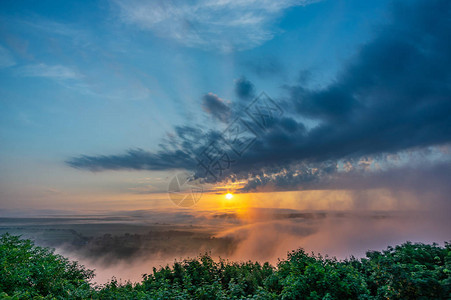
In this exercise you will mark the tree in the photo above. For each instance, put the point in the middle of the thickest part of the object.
(28, 271)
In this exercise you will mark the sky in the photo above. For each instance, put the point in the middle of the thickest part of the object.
(103, 102)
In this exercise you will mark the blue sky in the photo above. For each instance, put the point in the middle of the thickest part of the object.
(99, 78)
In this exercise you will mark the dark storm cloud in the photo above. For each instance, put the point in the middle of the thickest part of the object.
(395, 94)
(401, 78)
(136, 159)
(244, 89)
(216, 107)
(430, 179)
(177, 151)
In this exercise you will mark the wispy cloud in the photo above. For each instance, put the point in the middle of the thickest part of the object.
(65, 33)
(49, 71)
(88, 84)
(219, 24)
(6, 59)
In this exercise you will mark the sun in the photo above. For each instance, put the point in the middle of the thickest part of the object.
(229, 196)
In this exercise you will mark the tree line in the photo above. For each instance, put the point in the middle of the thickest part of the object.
(407, 271)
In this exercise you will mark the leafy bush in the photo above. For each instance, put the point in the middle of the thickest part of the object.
(28, 271)
(409, 271)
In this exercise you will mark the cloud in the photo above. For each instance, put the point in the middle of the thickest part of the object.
(47, 71)
(79, 38)
(425, 179)
(216, 107)
(392, 97)
(218, 24)
(117, 87)
(244, 89)
(136, 159)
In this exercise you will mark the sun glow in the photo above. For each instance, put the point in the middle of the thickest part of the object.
(229, 196)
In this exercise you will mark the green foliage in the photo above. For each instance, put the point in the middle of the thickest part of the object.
(408, 271)
(28, 271)
(310, 277)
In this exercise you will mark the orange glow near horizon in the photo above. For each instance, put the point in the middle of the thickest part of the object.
(334, 200)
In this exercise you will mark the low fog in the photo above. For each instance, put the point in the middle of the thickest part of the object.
(127, 244)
